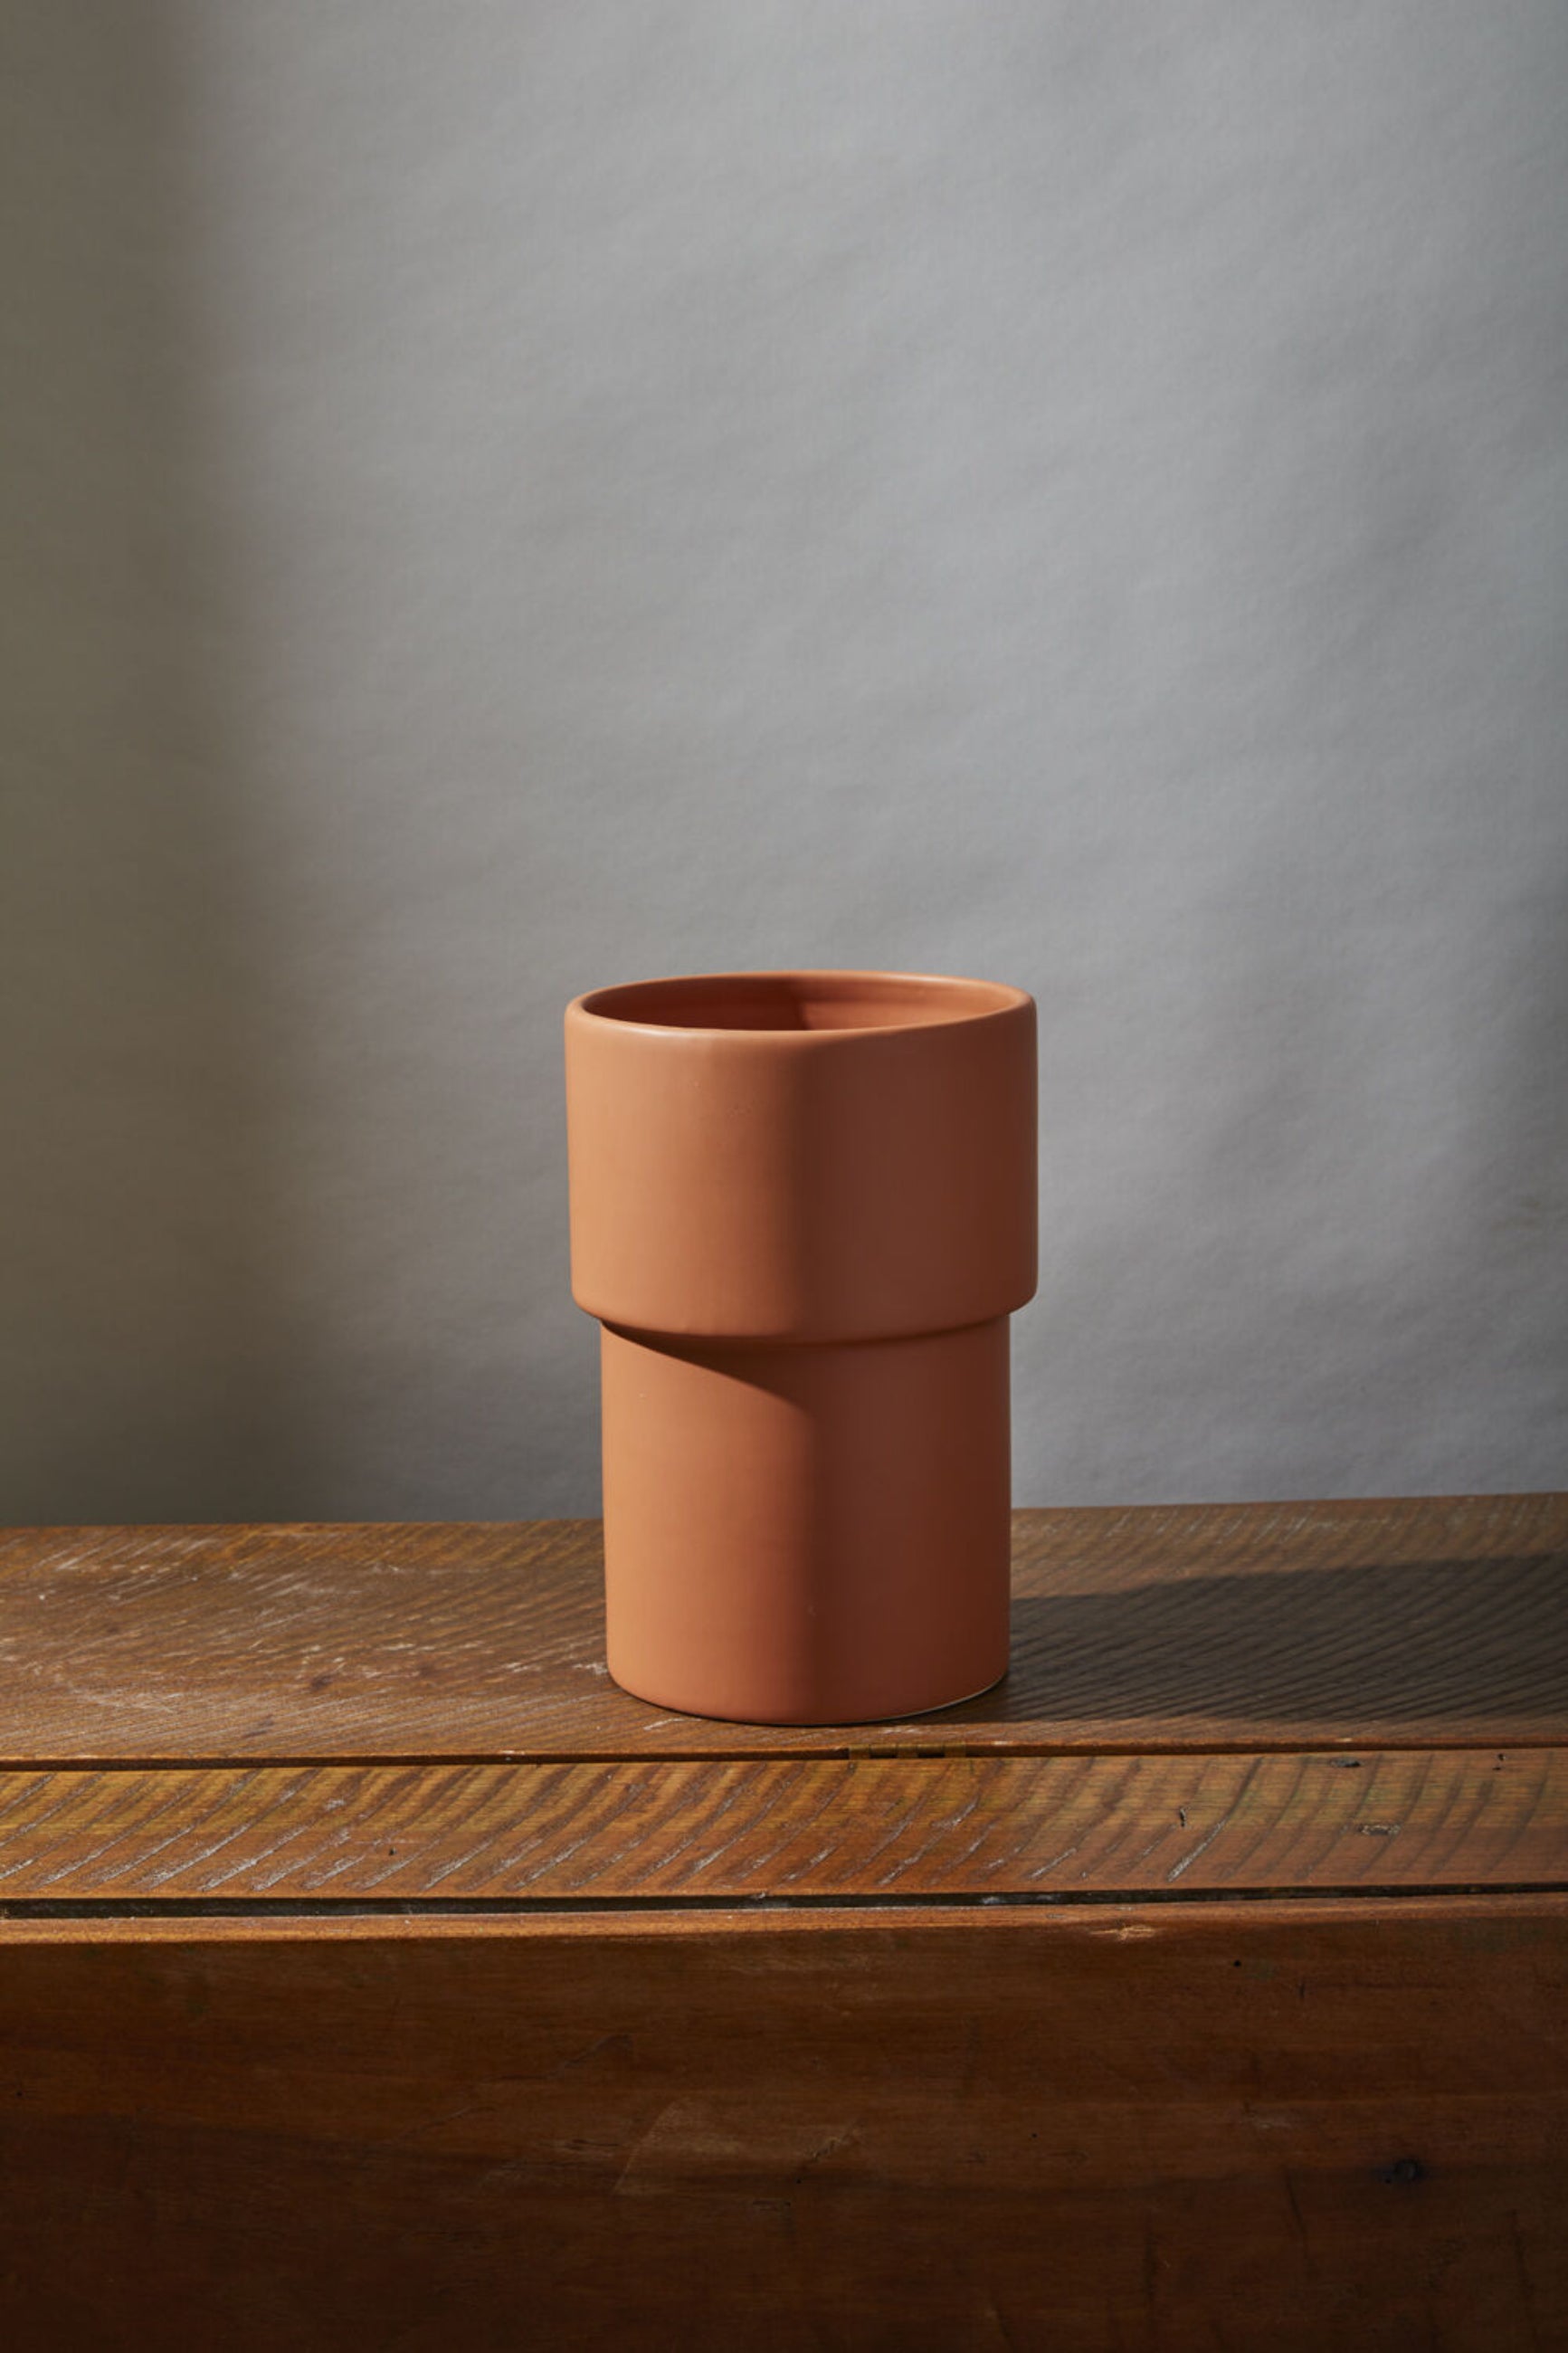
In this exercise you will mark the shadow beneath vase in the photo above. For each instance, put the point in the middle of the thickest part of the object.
(1340, 1648)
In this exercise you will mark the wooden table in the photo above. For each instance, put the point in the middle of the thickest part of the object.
(374, 1973)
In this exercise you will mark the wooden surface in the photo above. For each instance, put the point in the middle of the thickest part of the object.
(1438, 1622)
(1276, 2128)
(373, 1972)
(697, 1830)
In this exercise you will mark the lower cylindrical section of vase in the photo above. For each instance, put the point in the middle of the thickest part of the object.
(806, 1534)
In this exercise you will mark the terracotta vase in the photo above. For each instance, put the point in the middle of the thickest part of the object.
(803, 1209)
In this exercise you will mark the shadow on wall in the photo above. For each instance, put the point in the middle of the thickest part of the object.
(143, 1372)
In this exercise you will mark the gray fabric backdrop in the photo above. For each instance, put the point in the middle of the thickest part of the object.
(505, 497)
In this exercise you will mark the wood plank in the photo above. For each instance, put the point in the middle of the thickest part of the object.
(1175, 2128)
(707, 1830)
(1425, 1623)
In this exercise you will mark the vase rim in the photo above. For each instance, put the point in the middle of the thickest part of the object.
(804, 1004)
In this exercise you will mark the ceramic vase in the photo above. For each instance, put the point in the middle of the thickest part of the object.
(803, 1209)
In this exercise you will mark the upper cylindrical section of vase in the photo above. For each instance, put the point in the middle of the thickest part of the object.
(802, 1155)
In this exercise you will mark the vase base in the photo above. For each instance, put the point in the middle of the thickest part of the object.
(810, 1723)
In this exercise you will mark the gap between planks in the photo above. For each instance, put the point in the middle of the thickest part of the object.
(1192, 1745)
(1490, 1920)
(983, 1750)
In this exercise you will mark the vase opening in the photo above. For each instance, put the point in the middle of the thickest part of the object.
(801, 1000)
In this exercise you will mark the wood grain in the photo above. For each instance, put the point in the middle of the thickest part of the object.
(936, 2082)
(1427, 1623)
(706, 1829)
(1163, 2129)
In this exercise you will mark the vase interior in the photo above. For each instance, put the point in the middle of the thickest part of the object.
(800, 1000)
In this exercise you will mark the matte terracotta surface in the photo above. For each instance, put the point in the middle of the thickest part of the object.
(802, 1206)
(802, 1182)
(807, 1534)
